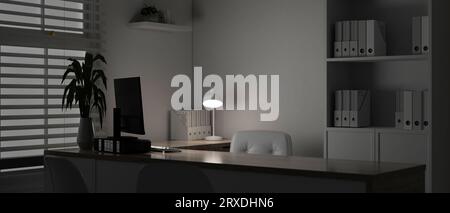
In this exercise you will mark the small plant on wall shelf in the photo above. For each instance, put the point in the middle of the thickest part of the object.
(152, 13)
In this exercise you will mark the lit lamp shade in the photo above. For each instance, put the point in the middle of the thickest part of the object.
(213, 104)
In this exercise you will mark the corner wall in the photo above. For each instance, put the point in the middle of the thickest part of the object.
(154, 56)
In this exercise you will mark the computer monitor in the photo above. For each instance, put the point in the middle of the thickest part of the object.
(128, 112)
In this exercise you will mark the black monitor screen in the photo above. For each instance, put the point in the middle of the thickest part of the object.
(129, 100)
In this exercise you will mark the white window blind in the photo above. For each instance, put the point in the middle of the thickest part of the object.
(36, 39)
(70, 16)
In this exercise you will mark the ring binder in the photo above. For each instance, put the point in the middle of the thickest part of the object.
(190, 125)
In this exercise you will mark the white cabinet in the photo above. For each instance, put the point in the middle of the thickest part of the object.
(403, 147)
(380, 144)
(351, 144)
(372, 144)
(398, 146)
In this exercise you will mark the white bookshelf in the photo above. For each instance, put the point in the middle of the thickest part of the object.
(146, 25)
(383, 75)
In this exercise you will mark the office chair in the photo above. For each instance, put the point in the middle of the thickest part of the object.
(262, 142)
(166, 177)
(64, 176)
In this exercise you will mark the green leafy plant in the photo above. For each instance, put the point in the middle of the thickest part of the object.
(152, 11)
(149, 10)
(84, 89)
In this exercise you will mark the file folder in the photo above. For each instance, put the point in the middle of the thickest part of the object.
(204, 114)
(338, 109)
(360, 108)
(338, 49)
(417, 110)
(365, 110)
(338, 40)
(354, 108)
(426, 109)
(362, 38)
(188, 118)
(202, 118)
(208, 118)
(399, 110)
(194, 118)
(346, 49)
(417, 35)
(346, 34)
(346, 108)
(408, 110)
(376, 38)
(197, 116)
(186, 125)
(354, 38)
(425, 34)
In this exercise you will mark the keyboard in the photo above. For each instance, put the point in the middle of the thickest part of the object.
(165, 149)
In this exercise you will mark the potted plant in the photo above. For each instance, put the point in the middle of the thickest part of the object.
(153, 14)
(85, 89)
(150, 13)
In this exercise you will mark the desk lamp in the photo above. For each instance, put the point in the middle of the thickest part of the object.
(213, 104)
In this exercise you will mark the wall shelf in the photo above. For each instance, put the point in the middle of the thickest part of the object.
(380, 58)
(379, 129)
(146, 25)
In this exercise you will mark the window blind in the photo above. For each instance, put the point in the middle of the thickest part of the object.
(36, 39)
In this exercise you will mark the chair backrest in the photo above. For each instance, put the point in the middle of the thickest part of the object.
(262, 142)
(168, 177)
(64, 176)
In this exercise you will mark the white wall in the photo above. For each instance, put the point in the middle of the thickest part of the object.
(285, 37)
(154, 56)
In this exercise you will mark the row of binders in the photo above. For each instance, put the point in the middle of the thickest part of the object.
(190, 125)
(412, 110)
(352, 108)
(360, 38)
(421, 35)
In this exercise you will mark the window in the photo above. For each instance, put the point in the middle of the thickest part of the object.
(36, 39)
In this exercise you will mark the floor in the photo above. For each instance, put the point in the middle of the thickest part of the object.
(22, 182)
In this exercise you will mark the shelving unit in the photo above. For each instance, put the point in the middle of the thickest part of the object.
(383, 76)
(146, 25)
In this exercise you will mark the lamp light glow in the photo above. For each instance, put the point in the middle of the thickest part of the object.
(213, 104)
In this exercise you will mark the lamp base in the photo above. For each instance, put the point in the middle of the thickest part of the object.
(213, 138)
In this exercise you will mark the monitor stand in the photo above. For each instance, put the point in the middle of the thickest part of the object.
(117, 130)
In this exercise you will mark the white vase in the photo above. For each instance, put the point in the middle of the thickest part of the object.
(85, 134)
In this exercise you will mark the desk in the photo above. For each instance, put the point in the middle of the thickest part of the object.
(242, 173)
(219, 146)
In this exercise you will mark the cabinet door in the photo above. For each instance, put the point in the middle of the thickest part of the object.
(86, 168)
(117, 177)
(351, 144)
(403, 147)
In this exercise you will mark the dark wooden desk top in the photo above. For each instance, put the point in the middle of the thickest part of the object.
(183, 144)
(316, 167)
